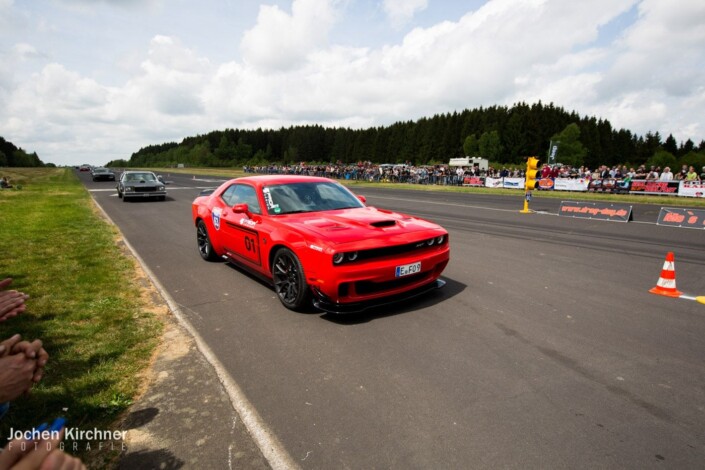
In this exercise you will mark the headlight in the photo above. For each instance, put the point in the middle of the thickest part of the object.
(352, 256)
(338, 258)
(430, 241)
(160, 188)
(440, 239)
(129, 189)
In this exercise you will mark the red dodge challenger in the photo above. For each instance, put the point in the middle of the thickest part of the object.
(315, 241)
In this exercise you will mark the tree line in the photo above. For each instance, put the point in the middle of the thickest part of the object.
(502, 134)
(11, 155)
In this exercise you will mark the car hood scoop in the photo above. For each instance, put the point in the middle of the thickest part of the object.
(384, 223)
(347, 225)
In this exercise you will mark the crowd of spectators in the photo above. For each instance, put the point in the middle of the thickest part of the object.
(22, 365)
(447, 175)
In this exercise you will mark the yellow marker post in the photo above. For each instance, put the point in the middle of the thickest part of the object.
(532, 164)
(701, 299)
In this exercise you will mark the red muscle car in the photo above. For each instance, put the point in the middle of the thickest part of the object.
(316, 241)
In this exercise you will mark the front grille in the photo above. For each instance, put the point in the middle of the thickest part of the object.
(368, 287)
(146, 189)
(395, 250)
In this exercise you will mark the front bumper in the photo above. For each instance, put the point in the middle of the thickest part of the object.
(323, 303)
(145, 194)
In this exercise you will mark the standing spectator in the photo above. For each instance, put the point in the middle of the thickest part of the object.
(640, 173)
(653, 175)
(666, 175)
(691, 175)
(683, 173)
(545, 171)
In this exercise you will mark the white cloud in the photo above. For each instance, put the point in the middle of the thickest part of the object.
(281, 41)
(400, 12)
(649, 78)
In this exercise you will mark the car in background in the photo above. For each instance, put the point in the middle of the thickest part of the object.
(102, 174)
(84, 167)
(316, 242)
(139, 185)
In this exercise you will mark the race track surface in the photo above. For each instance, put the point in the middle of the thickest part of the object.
(544, 350)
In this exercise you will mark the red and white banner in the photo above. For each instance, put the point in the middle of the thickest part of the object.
(692, 189)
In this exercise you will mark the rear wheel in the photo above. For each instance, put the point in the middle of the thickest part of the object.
(205, 248)
(289, 280)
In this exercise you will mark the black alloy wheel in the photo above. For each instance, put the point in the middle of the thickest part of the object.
(289, 280)
(205, 248)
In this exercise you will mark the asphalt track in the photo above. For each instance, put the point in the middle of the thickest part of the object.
(544, 350)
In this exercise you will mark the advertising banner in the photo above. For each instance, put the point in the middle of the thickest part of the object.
(513, 183)
(678, 217)
(493, 182)
(571, 184)
(604, 184)
(546, 183)
(654, 187)
(510, 183)
(692, 189)
(596, 210)
(473, 181)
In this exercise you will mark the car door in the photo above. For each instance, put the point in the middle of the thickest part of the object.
(240, 234)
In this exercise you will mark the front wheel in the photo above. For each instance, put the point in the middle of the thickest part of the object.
(205, 248)
(289, 280)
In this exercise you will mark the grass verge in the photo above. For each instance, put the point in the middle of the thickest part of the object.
(87, 305)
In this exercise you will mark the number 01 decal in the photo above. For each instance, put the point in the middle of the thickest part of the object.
(250, 244)
(246, 244)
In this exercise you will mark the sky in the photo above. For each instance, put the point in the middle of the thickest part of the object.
(90, 81)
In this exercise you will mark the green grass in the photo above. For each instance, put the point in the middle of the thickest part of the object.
(667, 201)
(86, 304)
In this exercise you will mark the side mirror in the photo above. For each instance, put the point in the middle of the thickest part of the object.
(362, 199)
(240, 208)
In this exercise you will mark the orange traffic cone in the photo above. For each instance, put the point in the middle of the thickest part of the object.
(666, 284)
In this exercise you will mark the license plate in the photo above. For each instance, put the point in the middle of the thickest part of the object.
(408, 269)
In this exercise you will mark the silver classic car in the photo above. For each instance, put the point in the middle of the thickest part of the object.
(139, 185)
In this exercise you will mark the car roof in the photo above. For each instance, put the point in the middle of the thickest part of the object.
(263, 180)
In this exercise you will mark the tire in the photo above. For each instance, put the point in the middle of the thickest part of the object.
(290, 281)
(124, 198)
(205, 248)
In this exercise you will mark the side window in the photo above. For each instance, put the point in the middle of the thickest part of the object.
(228, 196)
(241, 193)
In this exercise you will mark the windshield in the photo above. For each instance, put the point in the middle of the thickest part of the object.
(308, 197)
(140, 177)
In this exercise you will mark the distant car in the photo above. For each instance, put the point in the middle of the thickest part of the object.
(140, 184)
(84, 168)
(315, 241)
(102, 174)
